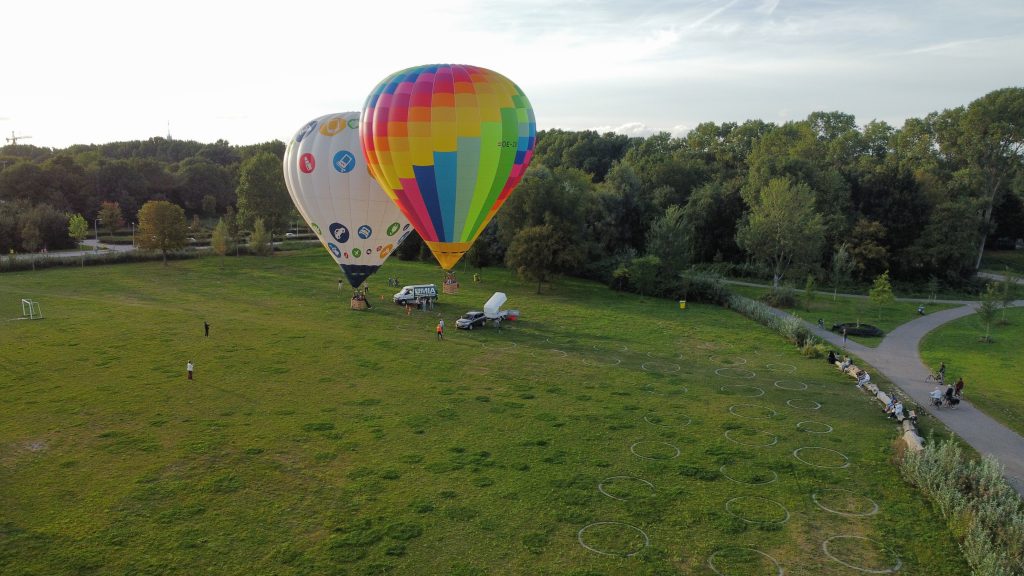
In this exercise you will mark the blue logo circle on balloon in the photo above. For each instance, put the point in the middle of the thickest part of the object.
(334, 250)
(344, 161)
(306, 130)
(339, 232)
(365, 232)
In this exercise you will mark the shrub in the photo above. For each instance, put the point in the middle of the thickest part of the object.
(982, 509)
(703, 288)
(791, 327)
(780, 297)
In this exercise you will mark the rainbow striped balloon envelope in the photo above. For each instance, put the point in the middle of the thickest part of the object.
(448, 143)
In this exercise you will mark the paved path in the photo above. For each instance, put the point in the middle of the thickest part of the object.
(898, 359)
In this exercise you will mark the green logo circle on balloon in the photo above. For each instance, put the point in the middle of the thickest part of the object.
(467, 135)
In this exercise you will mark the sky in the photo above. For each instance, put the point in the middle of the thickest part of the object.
(248, 72)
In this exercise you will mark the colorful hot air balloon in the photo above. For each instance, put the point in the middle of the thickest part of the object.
(327, 179)
(448, 143)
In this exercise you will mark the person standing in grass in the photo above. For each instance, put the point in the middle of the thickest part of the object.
(188, 368)
(206, 327)
(440, 330)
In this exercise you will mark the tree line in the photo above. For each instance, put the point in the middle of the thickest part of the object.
(822, 196)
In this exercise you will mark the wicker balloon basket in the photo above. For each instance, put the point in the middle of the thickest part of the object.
(359, 304)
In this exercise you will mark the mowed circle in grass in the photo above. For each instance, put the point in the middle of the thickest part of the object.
(625, 487)
(745, 390)
(777, 367)
(748, 473)
(731, 372)
(613, 539)
(757, 510)
(506, 345)
(844, 502)
(743, 562)
(667, 420)
(752, 438)
(803, 404)
(654, 450)
(602, 360)
(821, 457)
(793, 385)
(722, 360)
(813, 427)
(752, 411)
(549, 353)
(861, 554)
(660, 367)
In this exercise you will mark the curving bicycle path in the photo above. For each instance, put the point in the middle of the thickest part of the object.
(898, 359)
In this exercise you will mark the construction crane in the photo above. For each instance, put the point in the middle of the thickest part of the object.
(14, 139)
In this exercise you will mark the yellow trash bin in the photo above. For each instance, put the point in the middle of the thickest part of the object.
(682, 304)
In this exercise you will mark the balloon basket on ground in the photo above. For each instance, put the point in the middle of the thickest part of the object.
(358, 304)
(451, 289)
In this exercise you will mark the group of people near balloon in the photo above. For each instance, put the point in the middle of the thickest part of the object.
(438, 148)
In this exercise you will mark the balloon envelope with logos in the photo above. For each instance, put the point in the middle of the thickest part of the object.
(327, 178)
(448, 143)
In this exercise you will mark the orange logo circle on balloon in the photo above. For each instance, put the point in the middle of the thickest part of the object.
(332, 126)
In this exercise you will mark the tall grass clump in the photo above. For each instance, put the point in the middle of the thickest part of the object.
(983, 511)
(791, 327)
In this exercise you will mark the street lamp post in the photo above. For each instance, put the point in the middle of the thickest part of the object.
(96, 230)
(133, 234)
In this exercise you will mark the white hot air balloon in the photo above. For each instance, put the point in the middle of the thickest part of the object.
(327, 179)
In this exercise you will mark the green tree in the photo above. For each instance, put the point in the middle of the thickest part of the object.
(991, 144)
(1007, 291)
(842, 266)
(209, 205)
(666, 240)
(78, 228)
(644, 273)
(262, 193)
(782, 229)
(538, 253)
(161, 227)
(233, 228)
(988, 309)
(933, 286)
(881, 292)
(31, 237)
(259, 240)
(219, 240)
(809, 292)
(111, 216)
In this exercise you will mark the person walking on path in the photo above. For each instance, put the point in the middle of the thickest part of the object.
(188, 368)
(959, 390)
(206, 327)
(440, 330)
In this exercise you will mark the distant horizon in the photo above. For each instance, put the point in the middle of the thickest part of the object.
(626, 130)
(634, 69)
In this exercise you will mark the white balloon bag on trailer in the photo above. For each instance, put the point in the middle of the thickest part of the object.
(493, 305)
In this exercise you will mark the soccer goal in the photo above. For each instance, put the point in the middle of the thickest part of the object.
(30, 310)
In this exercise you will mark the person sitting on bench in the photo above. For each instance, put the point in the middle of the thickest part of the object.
(832, 357)
(863, 379)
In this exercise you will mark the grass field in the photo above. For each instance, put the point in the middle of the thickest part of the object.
(993, 373)
(850, 309)
(602, 434)
(999, 260)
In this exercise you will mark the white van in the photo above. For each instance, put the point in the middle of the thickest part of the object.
(409, 294)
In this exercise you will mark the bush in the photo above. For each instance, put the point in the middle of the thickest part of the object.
(984, 512)
(703, 288)
(781, 297)
(791, 327)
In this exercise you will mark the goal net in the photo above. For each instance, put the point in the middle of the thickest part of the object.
(30, 309)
